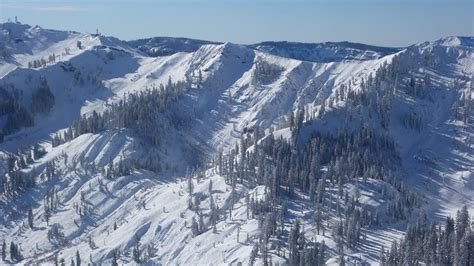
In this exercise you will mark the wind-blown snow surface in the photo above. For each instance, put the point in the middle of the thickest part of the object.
(438, 161)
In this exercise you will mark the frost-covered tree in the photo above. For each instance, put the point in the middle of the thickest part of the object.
(136, 252)
(30, 217)
(265, 73)
(78, 258)
(435, 245)
(4, 250)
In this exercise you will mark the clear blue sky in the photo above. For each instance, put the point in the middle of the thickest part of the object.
(378, 22)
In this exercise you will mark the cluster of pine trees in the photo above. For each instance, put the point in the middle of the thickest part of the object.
(150, 113)
(37, 63)
(42, 101)
(15, 252)
(412, 120)
(325, 163)
(198, 225)
(140, 253)
(265, 73)
(14, 179)
(334, 158)
(432, 244)
(462, 107)
(301, 251)
(19, 116)
(55, 234)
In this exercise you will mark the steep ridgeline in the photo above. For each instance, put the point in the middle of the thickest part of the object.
(313, 52)
(226, 154)
(325, 52)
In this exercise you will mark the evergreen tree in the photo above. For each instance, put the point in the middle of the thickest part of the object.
(136, 251)
(253, 255)
(78, 258)
(30, 217)
(114, 258)
(13, 251)
(435, 245)
(194, 227)
(4, 250)
(293, 244)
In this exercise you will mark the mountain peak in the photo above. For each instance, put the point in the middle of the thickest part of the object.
(457, 41)
(233, 48)
(450, 41)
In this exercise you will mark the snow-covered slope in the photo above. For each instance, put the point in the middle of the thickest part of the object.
(23, 44)
(325, 52)
(314, 52)
(419, 96)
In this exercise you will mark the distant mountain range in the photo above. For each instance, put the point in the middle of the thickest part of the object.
(314, 52)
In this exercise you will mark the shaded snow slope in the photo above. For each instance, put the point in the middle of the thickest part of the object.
(325, 52)
(98, 215)
(162, 46)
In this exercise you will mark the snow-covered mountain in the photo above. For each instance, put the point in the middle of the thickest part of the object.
(162, 46)
(314, 52)
(174, 151)
(325, 52)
